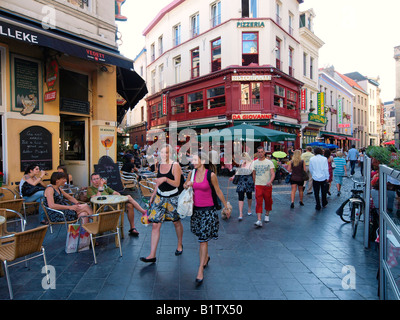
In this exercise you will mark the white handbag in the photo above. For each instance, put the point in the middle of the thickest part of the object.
(185, 200)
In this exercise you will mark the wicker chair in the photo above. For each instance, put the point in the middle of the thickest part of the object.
(146, 190)
(14, 206)
(7, 194)
(22, 244)
(15, 216)
(25, 204)
(106, 223)
(51, 223)
(129, 180)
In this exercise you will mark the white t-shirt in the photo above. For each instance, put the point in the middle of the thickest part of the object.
(263, 171)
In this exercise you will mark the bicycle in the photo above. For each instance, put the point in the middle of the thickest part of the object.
(351, 210)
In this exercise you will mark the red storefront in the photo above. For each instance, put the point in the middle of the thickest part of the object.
(262, 95)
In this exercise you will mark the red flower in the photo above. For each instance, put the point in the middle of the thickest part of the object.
(1, 174)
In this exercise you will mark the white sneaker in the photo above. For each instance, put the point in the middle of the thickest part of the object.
(249, 213)
(266, 219)
(258, 223)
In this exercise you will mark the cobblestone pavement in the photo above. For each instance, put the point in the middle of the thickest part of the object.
(300, 254)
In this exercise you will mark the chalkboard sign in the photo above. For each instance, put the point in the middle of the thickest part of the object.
(36, 148)
(107, 168)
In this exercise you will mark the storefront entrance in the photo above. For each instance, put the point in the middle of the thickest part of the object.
(74, 148)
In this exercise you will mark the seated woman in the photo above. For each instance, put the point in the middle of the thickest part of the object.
(62, 168)
(56, 198)
(32, 187)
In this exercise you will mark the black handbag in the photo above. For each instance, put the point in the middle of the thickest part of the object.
(236, 179)
(28, 189)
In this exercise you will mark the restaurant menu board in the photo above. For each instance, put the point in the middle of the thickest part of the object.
(27, 89)
(36, 148)
(108, 169)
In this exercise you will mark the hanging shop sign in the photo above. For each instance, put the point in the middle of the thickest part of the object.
(321, 104)
(316, 118)
(50, 96)
(339, 112)
(303, 99)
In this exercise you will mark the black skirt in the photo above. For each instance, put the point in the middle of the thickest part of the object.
(245, 184)
(204, 223)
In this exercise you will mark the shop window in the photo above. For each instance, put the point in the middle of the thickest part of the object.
(74, 85)
(195, 101)
(279, 96)
(178, 105)
(250, 93)
(216, 97)
(278, 54)
(195, 57)
(153, 112)
(216, 55)
(249, 48)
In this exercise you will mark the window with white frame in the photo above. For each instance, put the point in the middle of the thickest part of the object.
(177, 35)
(160, 45)
(153, 81)
(304, 64)
(177, 68)
(161, 73)
(278, 18)
(215, 14)
(194, 25)
(152, 52)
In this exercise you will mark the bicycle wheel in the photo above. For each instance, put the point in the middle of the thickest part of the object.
(346, 212)
(355, 218)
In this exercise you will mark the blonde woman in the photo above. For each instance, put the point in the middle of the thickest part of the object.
(245, 184)
(296, 167)
(164, 201)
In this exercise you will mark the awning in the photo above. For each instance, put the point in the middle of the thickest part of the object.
(353, 139)
(334, 136)
(129, 84)
(131, 87)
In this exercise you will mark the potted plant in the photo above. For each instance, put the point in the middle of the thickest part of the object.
(1, 178)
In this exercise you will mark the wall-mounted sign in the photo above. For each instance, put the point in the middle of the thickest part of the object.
(339, 112)
(51, 73)
(303, 99)
(36, 148)
(164, 104)
(27, 88)
(321, 104)
(344, 125)
(250, 24)
(50, 96)
(316, 118)
(251, 116)
(252, 78)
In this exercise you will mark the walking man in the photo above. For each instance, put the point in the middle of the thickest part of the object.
(306, 156)
(320, 173)
(353, 158)
(263, 176)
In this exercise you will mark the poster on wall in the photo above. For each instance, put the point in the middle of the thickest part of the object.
(26, 85)
(107, 142)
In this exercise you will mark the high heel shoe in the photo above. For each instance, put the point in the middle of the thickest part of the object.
(292, 205)
(199, 281)
(205, 266)
(148, 260)
(177, 252)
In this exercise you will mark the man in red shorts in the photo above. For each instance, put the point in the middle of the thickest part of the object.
(263, 176)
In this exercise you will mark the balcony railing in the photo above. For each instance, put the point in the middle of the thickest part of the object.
(251, 105)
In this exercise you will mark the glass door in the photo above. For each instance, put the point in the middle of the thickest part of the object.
(74, 148)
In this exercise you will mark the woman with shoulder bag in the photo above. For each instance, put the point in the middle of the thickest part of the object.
(245, 183)
(204, 222)
(297, 168)
(164, 201)
(32, 187)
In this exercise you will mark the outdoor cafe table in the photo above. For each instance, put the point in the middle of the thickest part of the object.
(117, 202)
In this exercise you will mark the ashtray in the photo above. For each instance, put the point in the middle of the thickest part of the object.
(101, 198)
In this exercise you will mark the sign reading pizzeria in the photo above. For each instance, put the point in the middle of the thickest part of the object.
(252, 78)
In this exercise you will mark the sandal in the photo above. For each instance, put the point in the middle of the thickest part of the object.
(133, 232)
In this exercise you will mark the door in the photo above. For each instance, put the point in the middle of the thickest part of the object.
(74, 148)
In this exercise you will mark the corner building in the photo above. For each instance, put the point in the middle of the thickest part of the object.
(214, 64)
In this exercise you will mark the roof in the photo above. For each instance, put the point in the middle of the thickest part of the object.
(350, 82)
(356, 76)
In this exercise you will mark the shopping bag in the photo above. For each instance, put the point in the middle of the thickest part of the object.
(185, 200)
(77, 236)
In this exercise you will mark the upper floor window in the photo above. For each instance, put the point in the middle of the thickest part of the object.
(278, 53)
(152, 52)
(249, 48)
(311, 68)
(249, 9)
(83, 4)
(215, 14)
(291, 55)
(195, 25)
(304, 64)
(195, 55)
(160, 45)
(216, 55)
(278, 18)
(291, 18)
(177, 35)
(177, 69)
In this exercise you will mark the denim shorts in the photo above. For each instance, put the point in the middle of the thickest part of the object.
(338, 179)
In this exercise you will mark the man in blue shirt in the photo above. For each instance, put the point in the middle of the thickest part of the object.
(353, 157)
